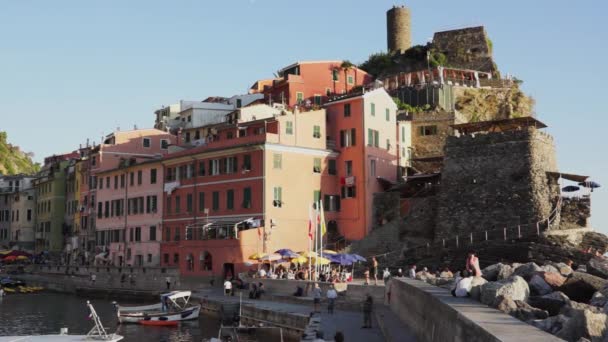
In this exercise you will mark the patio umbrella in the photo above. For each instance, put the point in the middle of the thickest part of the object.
(257, 256)
(571, 188)
(10, 258)
(299, 260)
(590, 184)
(341, 259)
(329, 251)
(271, 257)
(309, 254)
(287, 253)
(22, 257)
(358, 258)
(321, 261)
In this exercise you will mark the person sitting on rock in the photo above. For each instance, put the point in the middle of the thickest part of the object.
(446, 273)
(463, 287)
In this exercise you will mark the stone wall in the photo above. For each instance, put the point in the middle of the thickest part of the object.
(419, 226)
(495, 180)
(467, 48)
(385, 208)
(575, 212)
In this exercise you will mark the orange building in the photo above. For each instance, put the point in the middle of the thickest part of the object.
(311, 83)
(247, 190)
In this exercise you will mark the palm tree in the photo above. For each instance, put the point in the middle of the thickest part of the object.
(345, 66)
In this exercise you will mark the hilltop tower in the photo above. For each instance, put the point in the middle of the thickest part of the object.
(398, 29)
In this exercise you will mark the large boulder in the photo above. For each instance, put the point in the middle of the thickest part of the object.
(539, 286)
(549, 268)
(505, 272)
(526, 313)
(476, 285)
(581, 286)
(598, 266)
(583, 323)
(504, 304)
(490, 273)
(526, 271)
(552, 325)
(552, 303)
(595, 240)
(515, 288)
(563, 269)
(554, 279)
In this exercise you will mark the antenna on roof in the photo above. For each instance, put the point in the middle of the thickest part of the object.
(135, 127)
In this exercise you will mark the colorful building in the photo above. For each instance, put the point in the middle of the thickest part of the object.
(123, 188)
(311, 83)
(363, 126)
(17, 212)
(246, 190)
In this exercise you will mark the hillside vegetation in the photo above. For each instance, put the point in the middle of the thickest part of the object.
(13, 160)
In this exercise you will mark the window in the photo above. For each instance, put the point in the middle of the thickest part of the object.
(277, 161)
(247, 198)
(289, 127)
(167, 234)
(153, 176)
(139, 177)
(149, 258)
(176, 258)
(106, 212)
(168, 206)
(335, 75)
(372, 168)
(247, 162)
(231, 165)
(29, 215)
(137, 234)
(299, 97)
(201, 201)
(348, 165)
(178, 204)
(346, 110)
(373, 109)
(388, 114)
(176, 236)
(99, 210)
(277, 197)
(318, 100)
(146, 142)
(131, 179)
(331, 203)
(187, 139)
(373, 138)
(427, 130)
(347, 137)
(350, 79)
(348, 192)
(403, 151)
(331, 166)
(122, 181)
(316, 165)
(229, 135)
(164, 144)
(316, 131)
(206, 261)
(388, 144)
(189, 203)
(215, 205)
(152, 233)
(94, 160)
(230, 199)
(214, 167)
(166, 258)
(201, 168)
(402, 133)
(316, 196)
(239, 103)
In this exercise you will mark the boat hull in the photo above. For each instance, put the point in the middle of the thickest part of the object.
(189, 313)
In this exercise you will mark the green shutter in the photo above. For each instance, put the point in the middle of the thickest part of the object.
(370, 137)
(388, 115)
(373, 109)
(316, 195)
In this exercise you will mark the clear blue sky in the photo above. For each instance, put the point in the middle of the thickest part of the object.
(72, 70)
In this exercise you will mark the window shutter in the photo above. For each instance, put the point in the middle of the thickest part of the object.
(343, 189)
(342, 138)
(352, 136)
(337, 199)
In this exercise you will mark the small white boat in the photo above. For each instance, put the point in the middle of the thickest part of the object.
(97, 333)
(173, 306)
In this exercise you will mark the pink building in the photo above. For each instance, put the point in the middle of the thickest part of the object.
(125, 192)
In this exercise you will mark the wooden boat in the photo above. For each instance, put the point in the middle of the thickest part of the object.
(159, 323)
(173, 306)
(97, 333)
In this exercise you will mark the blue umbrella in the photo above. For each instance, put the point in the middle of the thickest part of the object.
(287, 253)
(570, 188)
(590, 184)
(342, 259)
(358, 258)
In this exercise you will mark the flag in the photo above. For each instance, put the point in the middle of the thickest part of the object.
(322, 217)
(310, 230)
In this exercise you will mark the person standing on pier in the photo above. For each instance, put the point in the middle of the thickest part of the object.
(316, 295)
(367, 312)
(375, 270)
(331, 294)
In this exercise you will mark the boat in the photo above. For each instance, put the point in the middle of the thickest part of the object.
(97, 333)
(173, 306)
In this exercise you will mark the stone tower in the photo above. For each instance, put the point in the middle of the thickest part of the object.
(398, 29)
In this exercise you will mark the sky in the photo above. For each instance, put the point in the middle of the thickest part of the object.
(75, 70)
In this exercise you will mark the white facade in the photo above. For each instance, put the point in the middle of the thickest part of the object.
(17, 212)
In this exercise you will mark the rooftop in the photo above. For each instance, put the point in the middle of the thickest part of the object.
(499, 125)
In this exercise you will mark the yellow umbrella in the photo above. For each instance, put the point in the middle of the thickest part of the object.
(22, 257)
(321, 261)
(309, 254)
(4, 252)
(299, 260)
(257, 256)
(329, 251)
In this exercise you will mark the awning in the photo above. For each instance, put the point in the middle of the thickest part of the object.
(568, 176)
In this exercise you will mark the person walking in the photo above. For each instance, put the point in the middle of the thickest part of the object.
(168, 282)
(375, 270)
(366, 275)
(227, 287)
(386, 276)
(331, 295)
(412, 272)
(367, 312)
(316, 295)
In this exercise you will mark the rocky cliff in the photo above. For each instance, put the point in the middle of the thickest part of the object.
(13, 160)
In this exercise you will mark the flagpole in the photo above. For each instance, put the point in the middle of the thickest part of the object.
(320, 204)
(310, 241)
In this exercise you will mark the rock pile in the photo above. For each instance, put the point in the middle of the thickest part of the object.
(571, 304)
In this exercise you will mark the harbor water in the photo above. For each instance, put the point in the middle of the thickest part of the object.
(47, 313)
